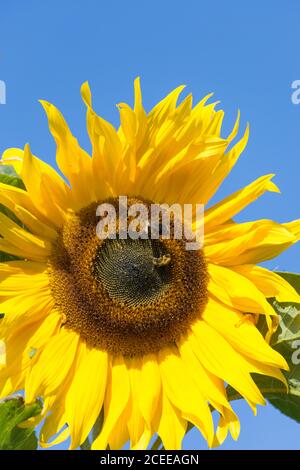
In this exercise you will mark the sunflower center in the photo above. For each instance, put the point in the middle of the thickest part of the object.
(131, 272)
(129, 297)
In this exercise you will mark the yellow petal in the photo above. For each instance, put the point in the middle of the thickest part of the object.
(23, 310)
(236, 291)
(142, 121)
(128, 122)
(226, 163)
(293, 227)
(221, 359)
(12, 198)
(120, 435)
(213, 389)
(52, 365)
(45, 187)
(172, 426)
(164, 108)
(183, 393)
(19, 276)
(54, 423)
(20, 241)
(63, 435)
(34, 224)
(13, 157)
(116, 400)
(233, 204)
(136, 423)
(2, 353)
(266, 370)
(247, 243)
(106, 149)
(85, 396)
(150, 388)
(74, 162)
(269, 283)
(211, 386)
(19, 347)
(241, 333)
(228, 422)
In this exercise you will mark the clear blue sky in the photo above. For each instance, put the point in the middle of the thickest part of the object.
(247, 53)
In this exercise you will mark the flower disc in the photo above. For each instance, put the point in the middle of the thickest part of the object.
(129, 297)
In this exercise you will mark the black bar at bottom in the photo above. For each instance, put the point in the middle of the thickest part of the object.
(134, 459)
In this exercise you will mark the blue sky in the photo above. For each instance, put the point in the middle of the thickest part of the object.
(247, 54)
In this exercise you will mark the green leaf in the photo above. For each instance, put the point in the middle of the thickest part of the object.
(12, 180)
(13, 412)
(7, 170)
(293, 279)
(286, 341)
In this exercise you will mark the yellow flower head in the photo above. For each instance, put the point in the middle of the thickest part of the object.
(145, 331)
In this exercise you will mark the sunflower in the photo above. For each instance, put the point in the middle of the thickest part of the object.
(95, 326)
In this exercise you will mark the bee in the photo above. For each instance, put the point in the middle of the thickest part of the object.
(162, 260)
